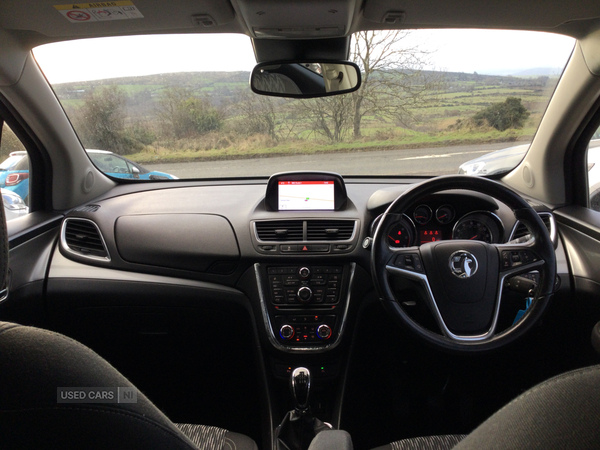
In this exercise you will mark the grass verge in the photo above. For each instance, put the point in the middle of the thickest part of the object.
(307, 147)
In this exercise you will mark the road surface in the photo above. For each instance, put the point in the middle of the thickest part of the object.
(424, 161)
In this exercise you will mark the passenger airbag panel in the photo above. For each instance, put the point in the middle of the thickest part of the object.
(179, 241)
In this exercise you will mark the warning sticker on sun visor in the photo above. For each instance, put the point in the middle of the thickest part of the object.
(99, 11)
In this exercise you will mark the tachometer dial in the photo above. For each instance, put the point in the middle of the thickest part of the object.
(400, 234)
(445, 214)
(422, 214)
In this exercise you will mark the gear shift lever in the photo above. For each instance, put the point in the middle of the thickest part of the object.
(299, 427)
(300, 386)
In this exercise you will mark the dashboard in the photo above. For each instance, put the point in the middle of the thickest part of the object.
(301, 269)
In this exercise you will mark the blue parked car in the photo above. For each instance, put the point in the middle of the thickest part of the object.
(14, 171)
(14, 174)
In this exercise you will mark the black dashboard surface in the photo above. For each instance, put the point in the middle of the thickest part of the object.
(220, 220)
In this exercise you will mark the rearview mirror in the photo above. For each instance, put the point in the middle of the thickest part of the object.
(305, 79)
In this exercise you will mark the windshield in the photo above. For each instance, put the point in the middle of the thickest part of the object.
(432, 102)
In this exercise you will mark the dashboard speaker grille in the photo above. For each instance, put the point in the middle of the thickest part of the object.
(88, 208)
(329, 230)
(82, 236)
(280, 230)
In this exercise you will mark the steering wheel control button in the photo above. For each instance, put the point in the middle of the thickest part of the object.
(286, 332)
(513, 258)
(411, 261)
(463, 264)
(324, 332)
(304, 273)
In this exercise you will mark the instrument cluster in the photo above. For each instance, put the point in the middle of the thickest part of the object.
(435, 221)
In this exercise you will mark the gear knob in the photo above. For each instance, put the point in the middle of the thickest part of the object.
(300, 386)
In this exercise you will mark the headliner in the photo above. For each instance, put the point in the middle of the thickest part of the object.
(34, 22)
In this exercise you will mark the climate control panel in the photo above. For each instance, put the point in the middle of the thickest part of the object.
(302, 329)
(305, 285)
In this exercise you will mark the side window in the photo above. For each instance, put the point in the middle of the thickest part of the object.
(120, 165)
(593, 167)
(110, 164)
(14, 174)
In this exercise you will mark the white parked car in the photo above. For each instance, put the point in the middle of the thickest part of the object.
(14, 206)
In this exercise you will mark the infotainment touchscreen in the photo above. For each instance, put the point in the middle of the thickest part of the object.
(306, 195)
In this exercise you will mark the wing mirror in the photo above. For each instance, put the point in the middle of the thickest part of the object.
(305, 79)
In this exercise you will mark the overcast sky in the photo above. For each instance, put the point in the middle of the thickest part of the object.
(453, 50)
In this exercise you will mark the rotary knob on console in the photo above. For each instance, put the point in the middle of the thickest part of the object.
(304, 273)
(324, 332)
(304, 294)
(286, 332)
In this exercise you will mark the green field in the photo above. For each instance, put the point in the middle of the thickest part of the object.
(292, 130)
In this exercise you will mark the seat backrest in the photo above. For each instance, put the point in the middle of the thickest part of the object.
(35, 364)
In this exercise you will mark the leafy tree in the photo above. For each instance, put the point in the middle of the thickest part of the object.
(101, 121)
(184, 116)
(504, 115)
(9, 142)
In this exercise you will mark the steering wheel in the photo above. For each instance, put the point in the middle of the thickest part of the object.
(462, 279)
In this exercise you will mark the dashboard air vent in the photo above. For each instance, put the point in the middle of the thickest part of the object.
(329, 230)
(82, 236)
(521, 230)
(280, 230)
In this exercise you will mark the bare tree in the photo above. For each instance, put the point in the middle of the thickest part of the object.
(266, 115)
(393, 81)
(329, 116)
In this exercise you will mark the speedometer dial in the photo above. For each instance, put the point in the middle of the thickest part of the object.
(478, 226)
(473, 230)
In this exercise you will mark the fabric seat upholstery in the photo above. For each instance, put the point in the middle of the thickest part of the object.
(445, 442)
(562, 412)
(34, 363)
(208, 438)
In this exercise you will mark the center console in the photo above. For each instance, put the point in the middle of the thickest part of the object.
(304, 305)
(307, 286)
(304, 233)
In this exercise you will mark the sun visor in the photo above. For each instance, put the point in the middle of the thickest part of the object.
(332, 49)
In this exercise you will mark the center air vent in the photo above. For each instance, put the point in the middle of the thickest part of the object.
(82, 237)
(520, 230)
(329, 230)
(280, 230)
